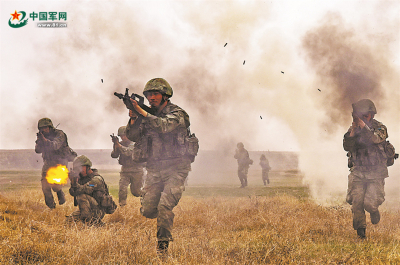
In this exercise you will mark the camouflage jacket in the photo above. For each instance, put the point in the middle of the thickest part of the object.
(54, 150)
(161, 136)
(366, 147)
(92, 185)
(242, 157)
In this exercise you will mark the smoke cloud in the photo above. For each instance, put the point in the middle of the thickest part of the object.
(244, 71)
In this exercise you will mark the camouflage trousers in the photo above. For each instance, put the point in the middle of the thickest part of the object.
(88, 211)
(134, 179)
(365, 193)
(242, 174)
(265, 177)
(47, 188)
(162, 191)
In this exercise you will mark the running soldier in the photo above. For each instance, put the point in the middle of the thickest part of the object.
(244, 163)
(169, 148)
(364, 142)
(264, 163)
(131, 171)
(53, 145)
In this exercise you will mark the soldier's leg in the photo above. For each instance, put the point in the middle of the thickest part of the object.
(48, 195)
(374, 197)
(357, 194)
(174, 186)
(136, 183)
(60, 194)
(245, 172)
(241, 177)
(123, 188)
(349, 198)
(151, 194)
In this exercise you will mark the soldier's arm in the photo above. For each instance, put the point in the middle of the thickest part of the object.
(115, 152)
(126, 150)
(349, 142)
(374, 136)
(87, 188)
(134, 133)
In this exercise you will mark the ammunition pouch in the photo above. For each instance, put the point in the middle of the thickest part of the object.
(390, 153)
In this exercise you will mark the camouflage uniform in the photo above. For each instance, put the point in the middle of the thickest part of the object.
(53, 154)
(244, 162)
(264, 163)
(131, 171)
(162, 141)
(88, 192)
(368, 171)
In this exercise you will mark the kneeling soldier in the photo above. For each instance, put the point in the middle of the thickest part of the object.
(89, 190)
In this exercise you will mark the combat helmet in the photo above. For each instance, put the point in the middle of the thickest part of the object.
(122, 130)
(364, 106)
(81, 161)
(160, 85)
(240, 145)
(44, 122)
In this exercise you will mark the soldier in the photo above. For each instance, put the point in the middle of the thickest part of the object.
(244, 162)
(131, 171)
(169, 149)
(265, 169)
(367, 161)
(53, 146)
(89, 191)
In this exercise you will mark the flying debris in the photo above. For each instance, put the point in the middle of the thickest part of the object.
(282, 72)
(244, 62)
(225, 44)
(319, 90)
(260, 117)
(102, 80)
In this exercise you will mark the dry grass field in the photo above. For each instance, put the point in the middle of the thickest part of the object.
(279, 224)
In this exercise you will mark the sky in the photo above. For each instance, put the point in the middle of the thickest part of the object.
(275, 75)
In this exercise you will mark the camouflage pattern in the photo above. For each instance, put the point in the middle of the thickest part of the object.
(88, 192)
(368, 170)
(264, 163)
(81, 161)
(243, 160)
(160, 85)
(45, 122)
(53, 154)
(162, 139)
(131, 171)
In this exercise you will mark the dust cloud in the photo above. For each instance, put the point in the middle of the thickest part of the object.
(271, 102)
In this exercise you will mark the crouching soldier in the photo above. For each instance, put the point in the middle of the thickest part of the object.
(90, 193)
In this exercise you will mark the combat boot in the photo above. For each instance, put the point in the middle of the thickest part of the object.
(375, 217)
(361, 233)
(162, 249)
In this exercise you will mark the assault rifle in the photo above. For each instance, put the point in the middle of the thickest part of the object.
(114, 138)
(126, 99)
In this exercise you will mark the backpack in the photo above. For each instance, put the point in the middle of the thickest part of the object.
(390, 153)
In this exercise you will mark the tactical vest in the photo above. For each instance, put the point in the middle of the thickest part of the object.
(366, 153)
(163, 146)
